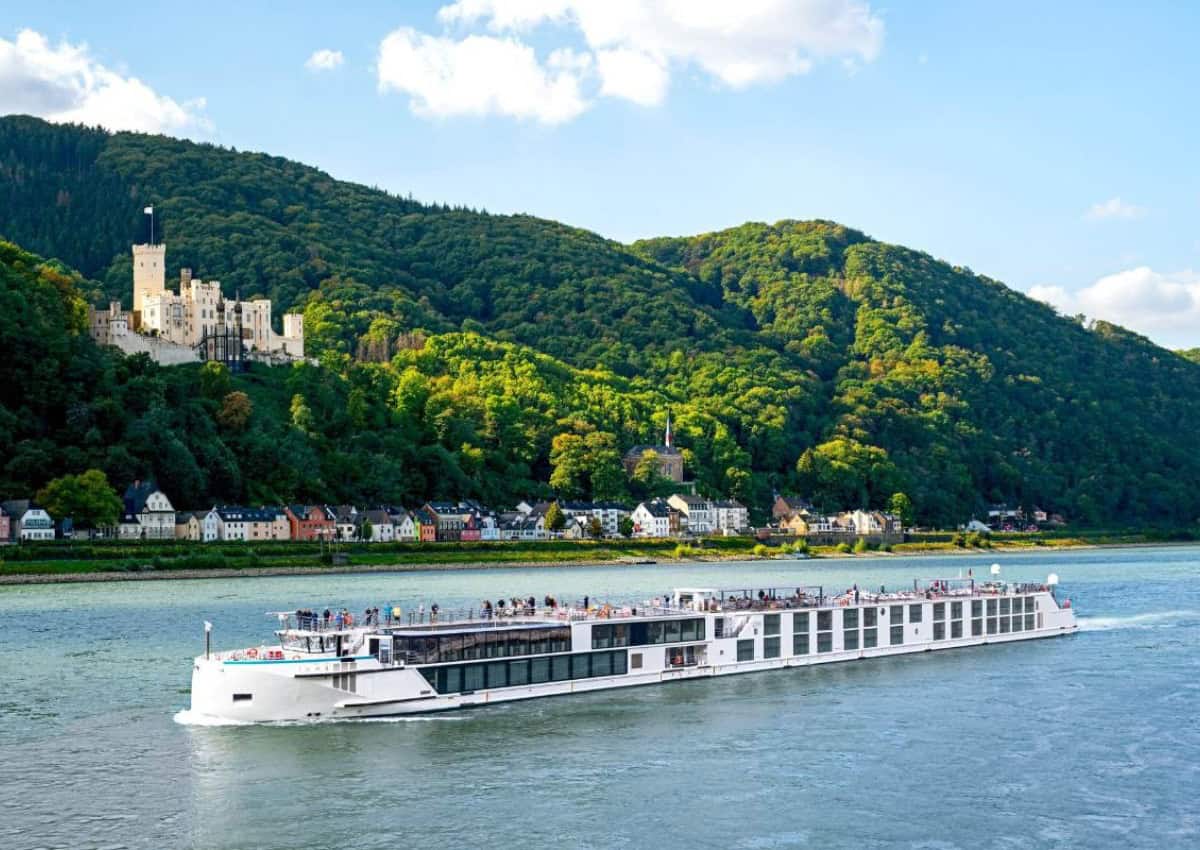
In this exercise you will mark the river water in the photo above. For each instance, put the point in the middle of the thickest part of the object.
(1086, 741)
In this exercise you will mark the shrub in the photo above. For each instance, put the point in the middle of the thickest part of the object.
(861, 546)
(844, 548)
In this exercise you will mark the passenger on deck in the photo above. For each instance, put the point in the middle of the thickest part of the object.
(433, 612)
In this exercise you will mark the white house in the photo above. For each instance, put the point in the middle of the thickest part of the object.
(697, 510)
(233, 523)
(489, 528)
(729, 516)
(652, 519)
(347, 522)
(129, 527)
(29, 522)
(210, 526)
(154, 512)
(382, 528)
(403, 526)
(609, 514)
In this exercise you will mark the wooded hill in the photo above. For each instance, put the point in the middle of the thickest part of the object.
(492, 356)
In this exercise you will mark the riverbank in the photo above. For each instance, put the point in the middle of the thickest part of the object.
(262, 561)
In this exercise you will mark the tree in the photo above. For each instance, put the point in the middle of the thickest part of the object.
(214, 380)
(901, 506)
(595, 527)
(625, 526)
(235, 411)
(366, 530)
(556, 520)
(87, 499)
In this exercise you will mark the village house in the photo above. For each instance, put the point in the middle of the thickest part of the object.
(210, 526)
(790, 506)
(524, 525)
(730, 517)
(188, 526)
(347, 522)
(310, 522)
(5, 526)
(449, 517)
(382, 529)
(427, 525)
(608, 513)
(27, 522)
(653, 519)
(697, 511)
(152, 511)
(489, 527)
(404, 527)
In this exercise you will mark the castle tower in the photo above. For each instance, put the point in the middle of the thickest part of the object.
(149, 275)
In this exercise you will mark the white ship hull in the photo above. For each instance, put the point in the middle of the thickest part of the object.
(303, 687)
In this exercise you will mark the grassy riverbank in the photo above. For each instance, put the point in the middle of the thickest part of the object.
(75, 561)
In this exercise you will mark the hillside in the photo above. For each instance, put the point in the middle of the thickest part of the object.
(507, 349)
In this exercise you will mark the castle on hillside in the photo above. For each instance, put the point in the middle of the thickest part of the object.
(196, 323)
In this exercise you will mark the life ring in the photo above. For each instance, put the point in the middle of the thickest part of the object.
(252, 653)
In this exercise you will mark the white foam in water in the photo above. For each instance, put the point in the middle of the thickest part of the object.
(1152, 620)
(187, 717)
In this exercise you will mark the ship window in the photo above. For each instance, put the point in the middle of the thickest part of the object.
(560, 639)
(955, 610)
(539, 643)
(771, 647)
(991, 625)
(687, 630)
(497, 675)
(1017, 602)
(870, 617)
(1017, 620)
(1004, 623)
(800, 644)
(939, 610)
(976, 627)
(472, 646)
(539, 670)
(602, 664)
(824, 621)
(243, 697)
(654, 632)
(991, 607)
(518, 672)
(896, 614)
(560, 668)
(450, 680)
(914, 613)
(976, 607)
(1006, 605)
(850, 618)
(770, 624)
(939, 631)
(518, 642)
(473, 677)
(601, 637)
(800, 623)
(870, 638)
(619, 661)
(635, 660)
(579, 666)
(672, 631)
(897, 635)
(956, 628)
(850, 639)
(620, 635)
(1029, 622)
(450, 648)
(745, 650)
(824, 641)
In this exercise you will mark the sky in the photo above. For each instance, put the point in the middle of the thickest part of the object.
(1051, 146)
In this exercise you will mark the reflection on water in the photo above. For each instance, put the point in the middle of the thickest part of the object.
(1088, 741)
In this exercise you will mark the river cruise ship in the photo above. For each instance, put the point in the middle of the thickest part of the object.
(324, 668)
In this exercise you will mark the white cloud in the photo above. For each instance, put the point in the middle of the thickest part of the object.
(65, 83)
(1164, 307)
(477, 76)
(636, 45)
(1113, 208)
(632, 75)
(324, 60)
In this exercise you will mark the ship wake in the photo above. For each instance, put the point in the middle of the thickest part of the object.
(1149, 620)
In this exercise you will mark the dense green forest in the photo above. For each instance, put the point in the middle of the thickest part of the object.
(467, 354)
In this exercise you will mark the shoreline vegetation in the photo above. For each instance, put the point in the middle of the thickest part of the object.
(123, 561)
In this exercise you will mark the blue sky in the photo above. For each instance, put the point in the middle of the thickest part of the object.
(1051, 146)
